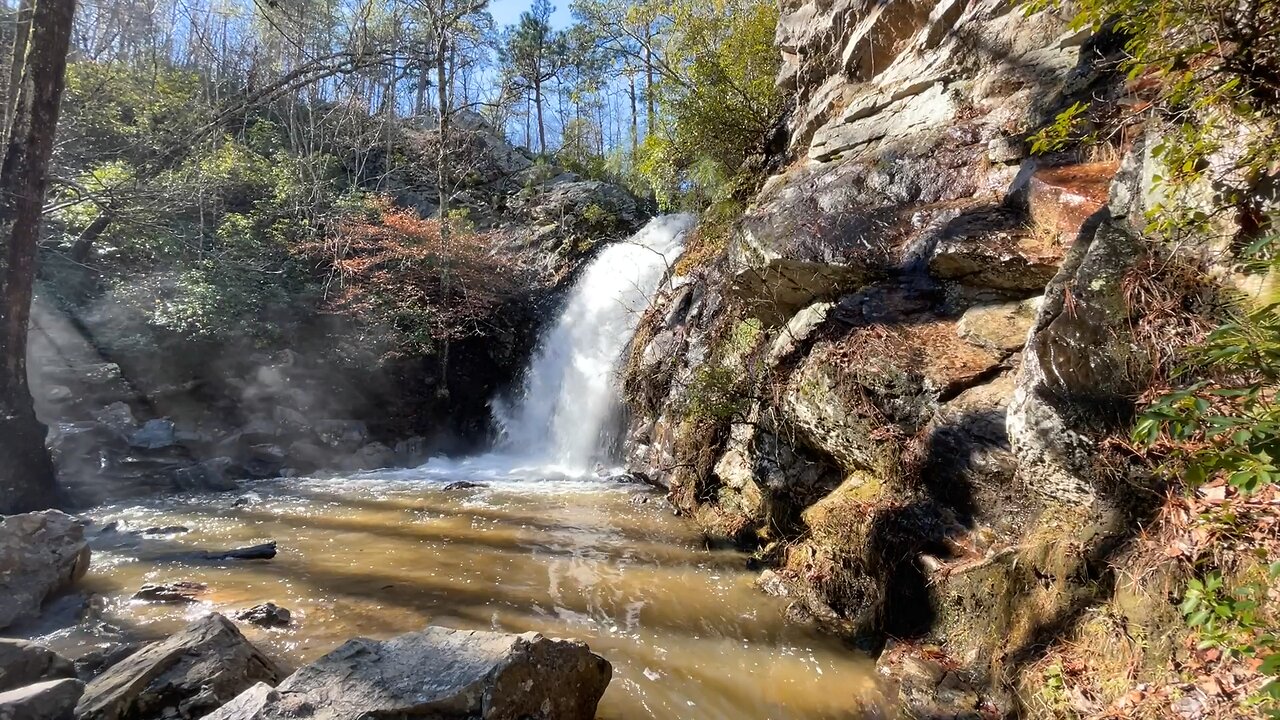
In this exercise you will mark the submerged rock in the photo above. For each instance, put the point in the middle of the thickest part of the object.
(165, 530)
(441, 674)
(173, 593)
(264, 551)
(185, 676)
(41, 553)
(463, 485)
(265, 615)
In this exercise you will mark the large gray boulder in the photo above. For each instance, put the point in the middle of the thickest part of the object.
(185, 676)
(49, 700)
(23, 663)
(1075, 383)
(441, 674)
(41, 553)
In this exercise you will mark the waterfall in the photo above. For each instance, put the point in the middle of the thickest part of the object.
(570, 386)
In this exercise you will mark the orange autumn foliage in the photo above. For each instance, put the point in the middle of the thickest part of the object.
(393, 266)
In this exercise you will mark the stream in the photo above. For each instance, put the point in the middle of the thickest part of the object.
(376, 555)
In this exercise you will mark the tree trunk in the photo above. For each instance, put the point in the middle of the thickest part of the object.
(27, 480)
(82, 249)
(542, 130)
(21, 31)
(420, 95)
(442, 118)
(648, 83)
(635, 121)
(442, 88)
(528, 115)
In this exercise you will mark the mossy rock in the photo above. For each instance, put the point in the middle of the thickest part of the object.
(840, 517)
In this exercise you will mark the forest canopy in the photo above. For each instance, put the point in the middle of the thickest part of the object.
(208, 148)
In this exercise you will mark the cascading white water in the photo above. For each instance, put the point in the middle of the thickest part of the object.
(570, 385)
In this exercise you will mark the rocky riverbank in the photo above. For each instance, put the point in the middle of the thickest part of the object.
(209, 669)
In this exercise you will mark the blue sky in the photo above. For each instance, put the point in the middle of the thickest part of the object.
(507, 12)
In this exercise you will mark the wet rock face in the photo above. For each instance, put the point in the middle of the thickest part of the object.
(437, 673)
(41, 554)
(186, 675)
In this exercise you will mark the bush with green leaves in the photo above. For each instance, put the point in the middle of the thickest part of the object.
(1209, 73)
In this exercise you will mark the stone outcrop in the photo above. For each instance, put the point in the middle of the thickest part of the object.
(24, 663)
(41, 554)
(187, 675)
(898, 381)
(437, 673)
(49, 700)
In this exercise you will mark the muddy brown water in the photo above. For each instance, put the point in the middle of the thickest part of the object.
(380, 554)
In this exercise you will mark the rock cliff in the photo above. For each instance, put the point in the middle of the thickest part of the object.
(903, 379)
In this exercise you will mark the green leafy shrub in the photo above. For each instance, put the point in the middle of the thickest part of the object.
(1209, 73)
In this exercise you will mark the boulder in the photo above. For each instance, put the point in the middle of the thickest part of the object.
(925, 687)
(264, 461)
(265, 615)
(41, 553)
(798, 331)
(179, 593)
(188, 675)
(441, 674)
(59, 394)
(1075, 383)
(342, 434)
(49, 700)
(119, 417)
(412, 451)
(372, 456)
(990, 248)
(97, 661)
(605, 207)
(291, 419)
(308, 456)
(154, 435)
(259, 431)
(844, 394)
(23, 663)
